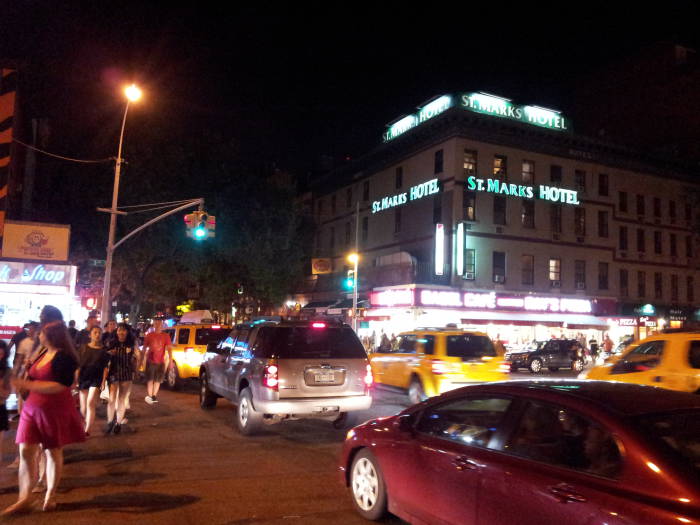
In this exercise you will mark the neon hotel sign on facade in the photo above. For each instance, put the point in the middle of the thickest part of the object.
(479, 301)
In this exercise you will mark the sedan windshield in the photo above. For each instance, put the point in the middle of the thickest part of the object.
(679, 431)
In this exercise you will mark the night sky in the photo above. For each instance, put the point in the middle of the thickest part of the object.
(296, 81)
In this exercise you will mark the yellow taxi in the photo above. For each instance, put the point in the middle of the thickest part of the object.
(189, 344)
(428, 362)
(668, 360)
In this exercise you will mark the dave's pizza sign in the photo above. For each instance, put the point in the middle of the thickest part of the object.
(35, 241)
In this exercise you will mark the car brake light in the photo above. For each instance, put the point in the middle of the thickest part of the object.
(504, 367)
(439, 367)
(270, 377)
(318, 325)
(369, 379)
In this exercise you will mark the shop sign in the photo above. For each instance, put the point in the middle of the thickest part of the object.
(647, 309)
(503, 107)
(6, 332)
(415, 193)
(430, 110)
(32, 273)
(400, 297)
(625, 321)
(649, 322)
(321, 266)
(677, 314)
(547, 193)
(34, 240)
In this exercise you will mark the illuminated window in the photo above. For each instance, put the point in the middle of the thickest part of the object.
(658, 285)
(528, 214)
(469, 205)
(658, 243)
(602, 224)
(499, 210)
(399, 177)
(528, 172)
(580, 180)
(641, 284)
(500, 166)
(624, 283)
(555, 218)
(555, 174)
(580, 274)
(528, 269)
(622, 204)
(623, 238)
(603, 184)
(438, 161)
(602, 276)
(674, 288)
(469, 162)
(580, 221)
(499, 267)
(555, 270)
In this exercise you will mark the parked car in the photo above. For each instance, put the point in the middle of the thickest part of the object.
(288, 370)
(668, 360)
(553, 354)
(429, 362)
(532, 453)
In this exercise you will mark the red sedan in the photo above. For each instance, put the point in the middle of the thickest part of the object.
(532, 453)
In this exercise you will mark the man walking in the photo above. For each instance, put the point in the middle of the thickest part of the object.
(157, 355)
(83, 336)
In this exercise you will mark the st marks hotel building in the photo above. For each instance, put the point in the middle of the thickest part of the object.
(495, 216)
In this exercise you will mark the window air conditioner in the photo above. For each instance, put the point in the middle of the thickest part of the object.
(556, 284)
(580, 286)
(469, 276)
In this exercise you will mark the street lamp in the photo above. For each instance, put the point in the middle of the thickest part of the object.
(353, 259)
(132, 94)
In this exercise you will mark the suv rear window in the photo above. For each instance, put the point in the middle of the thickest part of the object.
(304, 342)
(204, 336)
(470, 346)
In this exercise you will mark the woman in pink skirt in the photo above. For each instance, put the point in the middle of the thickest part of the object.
(50, 418)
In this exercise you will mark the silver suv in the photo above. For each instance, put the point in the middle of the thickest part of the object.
(288, 370)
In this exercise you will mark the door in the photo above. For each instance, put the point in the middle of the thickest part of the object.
(404, 361)
(555, 467)
(236, 361)
(451, 444)
(216, 363)
(681, 367)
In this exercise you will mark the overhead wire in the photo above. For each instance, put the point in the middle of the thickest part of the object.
(81, 161)
(152, 209)
(157, 203)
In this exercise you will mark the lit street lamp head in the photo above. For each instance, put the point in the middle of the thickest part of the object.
(353, 258)
(132, 92)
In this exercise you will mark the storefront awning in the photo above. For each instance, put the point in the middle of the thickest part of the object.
(575, 321)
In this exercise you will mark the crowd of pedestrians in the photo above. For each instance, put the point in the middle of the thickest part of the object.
(52, 361)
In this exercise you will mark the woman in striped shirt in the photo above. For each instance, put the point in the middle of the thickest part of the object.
(120, 374)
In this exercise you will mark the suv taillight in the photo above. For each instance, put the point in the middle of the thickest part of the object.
(270, 377)
(369, 379)
(438, 367)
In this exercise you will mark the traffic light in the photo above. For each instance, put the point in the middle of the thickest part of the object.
(349, 282)
(89, 302)
(200, 225)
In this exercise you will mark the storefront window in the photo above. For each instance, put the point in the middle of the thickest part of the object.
(348, 198)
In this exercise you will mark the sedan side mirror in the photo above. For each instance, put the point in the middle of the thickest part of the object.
(405, 423)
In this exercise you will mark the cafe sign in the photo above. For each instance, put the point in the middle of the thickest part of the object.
(547, 193)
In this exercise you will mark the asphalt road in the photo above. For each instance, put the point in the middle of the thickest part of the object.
(177, 464)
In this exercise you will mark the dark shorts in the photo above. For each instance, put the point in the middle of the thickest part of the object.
(4, 425)
(89, 378)
(155, 372)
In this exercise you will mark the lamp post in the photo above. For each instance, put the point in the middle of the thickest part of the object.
(132, 94)
(354, 258)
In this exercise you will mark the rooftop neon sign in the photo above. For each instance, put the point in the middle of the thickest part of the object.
(485, 104)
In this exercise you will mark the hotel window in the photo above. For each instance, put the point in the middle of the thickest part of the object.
(437, 209)
(640, 205)
(658, 285)
(602, 276)
(658, 243)
(555, 272)
(399, 177)
(348, 198)
(331, 240)
(500, 166)
(333, 201)
(469, 162)
(580, 221)
(470, 264)
(499, 210)
(690, 289)
(641, 284)
(640, 241)
(348, 234)
(365, 228)
(580, 274)
(657, 207)
(622, 204)
(555, 218)
(674, 288)
(528, 172)
(672, 211)
(397, 220)
(438, 161)
(603, 224)
(673, 247)
(580, 180)
(624, 283)
(528, 266)
(528, 214)
(365, 190)
(469, 205)
(603, 184)
(499, 267)
(555, 174)
(623, 238)
(689, 246)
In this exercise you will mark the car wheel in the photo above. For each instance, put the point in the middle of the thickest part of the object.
(536, 366)
(172, 378)
(248, 420)
(416, 394)
(346, 420)
(207, 398)
(367, 486)
(553, 368)
(577, 365)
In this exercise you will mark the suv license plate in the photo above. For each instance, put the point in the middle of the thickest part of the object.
(326, 409)
(324, 378)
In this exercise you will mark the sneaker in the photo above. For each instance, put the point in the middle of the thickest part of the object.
(155, 400)
(150, 400)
